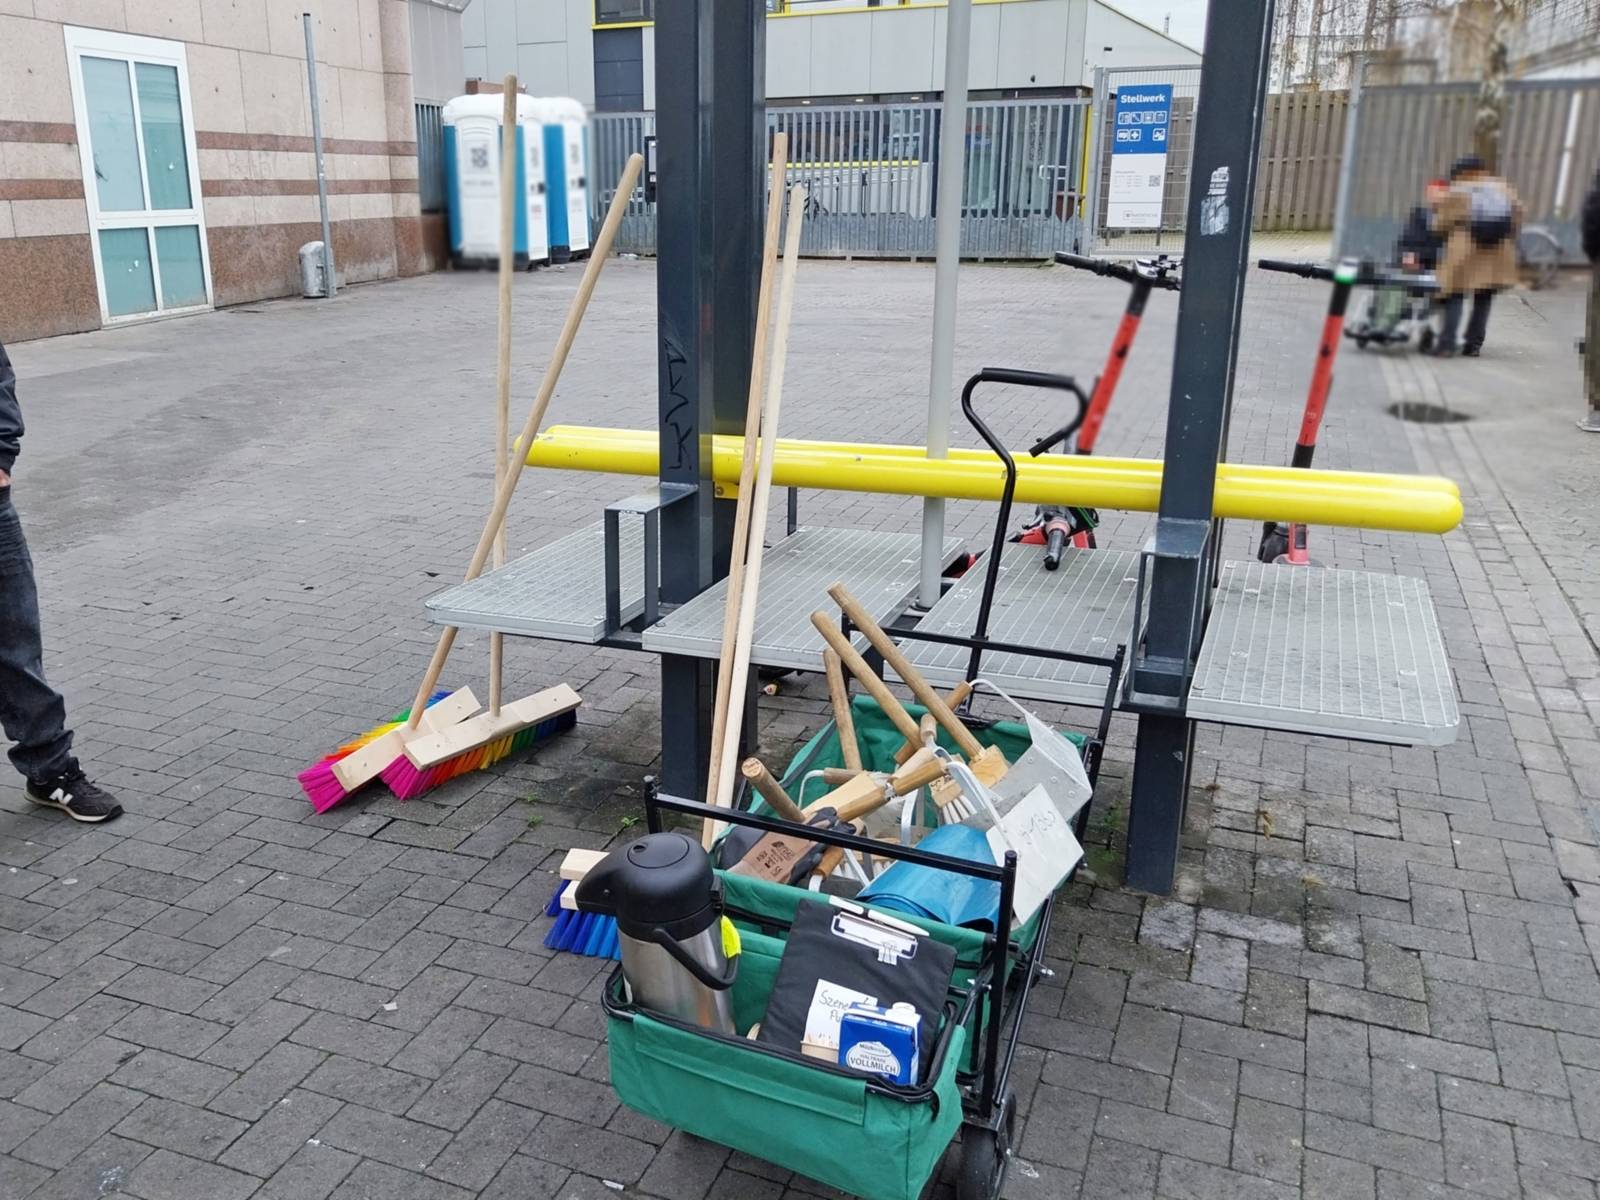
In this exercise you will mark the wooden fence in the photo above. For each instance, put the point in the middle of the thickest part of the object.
(1297, 179)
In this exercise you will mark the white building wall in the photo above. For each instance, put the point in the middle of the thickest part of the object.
(1112, 39)
(1019, 44)
(438, 66)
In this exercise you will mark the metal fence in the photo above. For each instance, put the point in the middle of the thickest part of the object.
(1404, 136)
(1185, 81)
(430, 157)
(871, 171)
(1297, 178)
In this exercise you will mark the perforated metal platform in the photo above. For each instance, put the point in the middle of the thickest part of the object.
(1339, 653)
(556, 592)
(880, 569)
(1084, 606)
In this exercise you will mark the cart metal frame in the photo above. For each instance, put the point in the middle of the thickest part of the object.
(988, 1104)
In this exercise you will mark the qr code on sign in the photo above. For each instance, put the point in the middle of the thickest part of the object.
(1155, 181)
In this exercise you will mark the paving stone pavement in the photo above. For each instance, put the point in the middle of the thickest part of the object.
(1376, 976)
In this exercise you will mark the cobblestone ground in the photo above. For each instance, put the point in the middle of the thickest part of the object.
(1375, 977)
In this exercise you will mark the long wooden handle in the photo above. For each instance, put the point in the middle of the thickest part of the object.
(502, 388)
(857, 665)
(843, 720)
(777, 176)
(920, 688)
(770, 409)
(771, 790)
(552, 373)
(834, 776)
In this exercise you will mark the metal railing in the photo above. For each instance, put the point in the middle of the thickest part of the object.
(871, 172)
(430, 157)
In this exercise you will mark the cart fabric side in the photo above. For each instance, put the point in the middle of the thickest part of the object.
(869, 1139)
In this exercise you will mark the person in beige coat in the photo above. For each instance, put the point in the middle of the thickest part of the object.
(1478, 215)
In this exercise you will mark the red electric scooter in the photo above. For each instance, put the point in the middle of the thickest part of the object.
(1053, 527)
(1286, 542)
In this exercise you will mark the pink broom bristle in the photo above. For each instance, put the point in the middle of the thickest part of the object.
(322, 786)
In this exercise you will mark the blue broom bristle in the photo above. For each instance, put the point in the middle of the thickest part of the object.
(559, 935)
(553, 909)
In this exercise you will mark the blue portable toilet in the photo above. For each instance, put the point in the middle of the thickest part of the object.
(472, 180)
(567, 170)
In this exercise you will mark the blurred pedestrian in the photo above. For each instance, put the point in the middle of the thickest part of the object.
(32, 713)
(1478, 215)
(1591, 339)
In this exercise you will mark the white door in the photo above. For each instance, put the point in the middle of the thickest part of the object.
(141, 176)
(577, 188)
(537, 191)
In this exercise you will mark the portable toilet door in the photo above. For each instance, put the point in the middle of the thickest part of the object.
(472, 180)
(566, 169)
(533, 221)
(575, 138)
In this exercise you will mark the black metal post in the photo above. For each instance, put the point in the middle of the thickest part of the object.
(1216, 251)
(711, 155)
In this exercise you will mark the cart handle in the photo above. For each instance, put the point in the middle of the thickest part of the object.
(1012, 375)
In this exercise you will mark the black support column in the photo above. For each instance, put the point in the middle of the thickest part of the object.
(1216, 257)
(710, 60)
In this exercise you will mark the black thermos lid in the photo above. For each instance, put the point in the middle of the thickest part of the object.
(663, 879)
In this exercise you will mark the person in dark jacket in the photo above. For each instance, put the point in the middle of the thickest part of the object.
(32, 713)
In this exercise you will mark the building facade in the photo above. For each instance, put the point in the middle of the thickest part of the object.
(156, 155)
(602, 52)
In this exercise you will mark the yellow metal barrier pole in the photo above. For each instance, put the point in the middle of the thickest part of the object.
(1403, 503)
(584, 440)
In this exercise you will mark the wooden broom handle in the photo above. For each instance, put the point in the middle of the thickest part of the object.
(771, 790)
(920, 688)
(778, 175)
(876, 688)
(502, 388)
(770, 409)
(547, 386)
(843, 720)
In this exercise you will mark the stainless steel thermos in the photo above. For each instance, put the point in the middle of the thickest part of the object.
(667, 902)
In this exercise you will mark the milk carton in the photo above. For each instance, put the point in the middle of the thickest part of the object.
(883, 1041)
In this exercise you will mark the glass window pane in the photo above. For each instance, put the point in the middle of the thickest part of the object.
(125, 258)
(113, 145)
(161, 118)
(183, 278)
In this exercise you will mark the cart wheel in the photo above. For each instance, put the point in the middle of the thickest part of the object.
(1425, 339)
(1361, 341)
(985, 1156)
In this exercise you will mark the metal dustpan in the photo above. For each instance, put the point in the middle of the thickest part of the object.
(1050, 762)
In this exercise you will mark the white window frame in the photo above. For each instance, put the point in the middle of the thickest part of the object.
(101, 43)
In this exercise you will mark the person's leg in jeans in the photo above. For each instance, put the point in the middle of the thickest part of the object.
(1450, 329)
(1478, 325)
(32, 713)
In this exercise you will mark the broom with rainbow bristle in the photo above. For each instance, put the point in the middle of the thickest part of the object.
(427, 750)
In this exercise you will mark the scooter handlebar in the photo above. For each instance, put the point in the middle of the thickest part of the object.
(1305, 270)
(1127, 273)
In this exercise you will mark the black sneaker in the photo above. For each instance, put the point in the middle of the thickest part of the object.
(74, 795)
